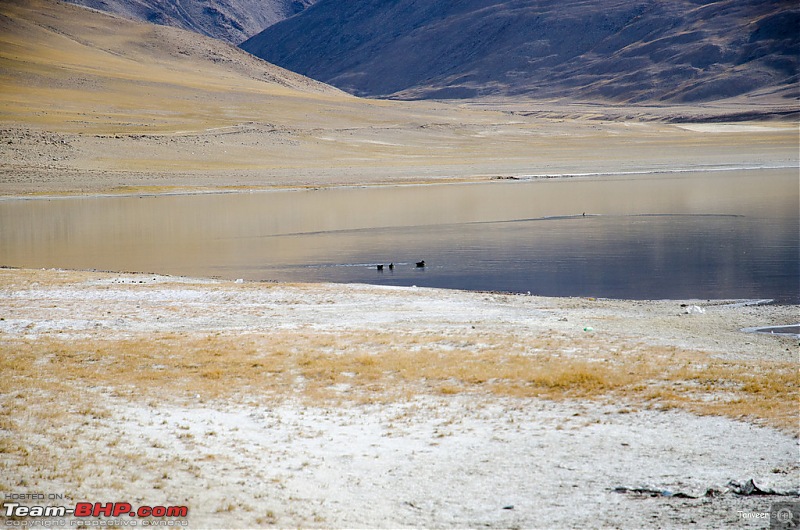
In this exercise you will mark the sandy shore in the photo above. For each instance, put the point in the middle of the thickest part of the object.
(464, 147)
(359, 406)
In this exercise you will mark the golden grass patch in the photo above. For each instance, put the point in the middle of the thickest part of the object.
(330, 368)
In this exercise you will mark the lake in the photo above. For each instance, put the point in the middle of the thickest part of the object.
(712, 234)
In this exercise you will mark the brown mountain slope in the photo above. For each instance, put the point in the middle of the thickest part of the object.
(232, 21)
(617, 50)
(67, 67)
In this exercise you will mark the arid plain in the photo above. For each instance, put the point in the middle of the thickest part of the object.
(315, 405)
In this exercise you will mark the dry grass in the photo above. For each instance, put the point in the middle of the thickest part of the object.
(54, 390)
(327, 368)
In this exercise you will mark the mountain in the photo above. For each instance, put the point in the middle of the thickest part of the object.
(229, 20)
(69, 70)
(615, 50)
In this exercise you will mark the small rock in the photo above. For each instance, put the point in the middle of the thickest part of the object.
(694, 310)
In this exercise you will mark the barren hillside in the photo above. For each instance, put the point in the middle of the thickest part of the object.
(66, 67)
(232, 21)
(622, 51)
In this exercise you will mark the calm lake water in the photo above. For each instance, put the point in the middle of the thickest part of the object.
(725, 234)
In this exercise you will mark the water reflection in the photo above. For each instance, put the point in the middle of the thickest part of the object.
(705, 235)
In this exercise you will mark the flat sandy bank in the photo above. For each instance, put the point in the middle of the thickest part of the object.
(36, 162)
(319, 405)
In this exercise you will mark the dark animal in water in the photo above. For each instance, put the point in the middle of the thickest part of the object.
(380, 267)
(421, 263)
(391, 266)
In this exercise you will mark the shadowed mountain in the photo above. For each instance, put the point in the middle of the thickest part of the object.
(230, 20)
(620, 50)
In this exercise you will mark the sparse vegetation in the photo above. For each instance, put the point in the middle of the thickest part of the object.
(379, 367)
(71, 395)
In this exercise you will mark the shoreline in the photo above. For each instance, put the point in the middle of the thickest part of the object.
(683, 303)
(616, 314)
(442, 145)
(433, 181)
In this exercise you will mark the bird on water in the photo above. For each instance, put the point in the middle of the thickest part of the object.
(421, 264)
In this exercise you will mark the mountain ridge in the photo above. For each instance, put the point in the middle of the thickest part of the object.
(231, 21)
(669, 50)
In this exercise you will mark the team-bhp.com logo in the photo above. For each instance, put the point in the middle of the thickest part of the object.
(83, 511)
